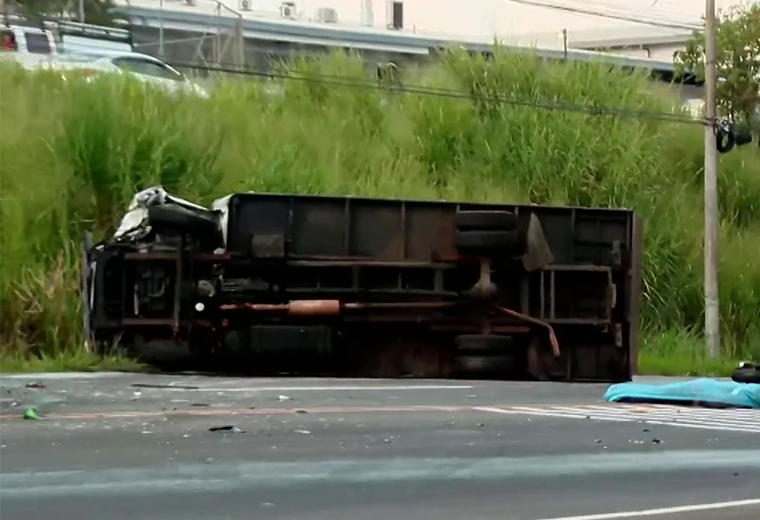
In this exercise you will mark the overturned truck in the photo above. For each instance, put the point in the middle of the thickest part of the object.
(269, 283)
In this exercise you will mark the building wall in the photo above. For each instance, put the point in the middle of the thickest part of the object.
(662, 52)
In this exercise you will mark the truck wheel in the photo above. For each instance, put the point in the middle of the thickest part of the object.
(485, 220)
(483, 343)
(479, 240)
(177, 219)
(749, 374)
(484, 365)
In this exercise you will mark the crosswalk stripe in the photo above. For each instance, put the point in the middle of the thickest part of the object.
(734, 420)
(675, 416)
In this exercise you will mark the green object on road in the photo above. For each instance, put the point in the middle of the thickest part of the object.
(31, 413)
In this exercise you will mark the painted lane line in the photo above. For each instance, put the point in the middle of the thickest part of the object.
(317, 388)
(581, 413)
(676, 417)
(243, 411)
(661, 419)
(663, 511)
(732, 413)
(684, 415)
(540, 413)
(706, 427)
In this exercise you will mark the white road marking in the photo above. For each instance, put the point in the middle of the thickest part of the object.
(663, 511)
(733, 420)
(320, 388)
(62, 375)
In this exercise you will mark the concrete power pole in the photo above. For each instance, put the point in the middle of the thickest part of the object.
(712, 307)
(239, 43)
(81, 11)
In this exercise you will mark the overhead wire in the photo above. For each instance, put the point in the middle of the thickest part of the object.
(420, 90)
(653, 7)
(628, 17)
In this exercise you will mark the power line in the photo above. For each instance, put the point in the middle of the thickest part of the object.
(596, 110)
(657, 8)
(619, 16)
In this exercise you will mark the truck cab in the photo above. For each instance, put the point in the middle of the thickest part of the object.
(28, 46)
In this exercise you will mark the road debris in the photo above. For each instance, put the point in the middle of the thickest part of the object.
(301, 411)
(30, 413)
(656, 441)
(599, 441)
(37, 385)
(200, 404)
(282, 398)
(305, 432)
(226, 428)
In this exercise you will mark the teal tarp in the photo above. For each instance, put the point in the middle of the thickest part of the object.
(699, 392)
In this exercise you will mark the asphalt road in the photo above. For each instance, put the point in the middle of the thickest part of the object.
(127, 446)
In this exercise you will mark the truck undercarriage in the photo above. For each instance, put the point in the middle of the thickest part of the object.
(267, 283)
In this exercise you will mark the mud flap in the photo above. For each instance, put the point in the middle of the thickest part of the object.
(538, 254)
(86, 291)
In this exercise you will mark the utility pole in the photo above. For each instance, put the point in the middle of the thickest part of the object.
(239, 43)
(161, 32)
(81, 11)
(712, 307)
(564, 42)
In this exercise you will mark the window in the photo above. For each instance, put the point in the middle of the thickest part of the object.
(9, 41)
(148, 68)
(37, 43)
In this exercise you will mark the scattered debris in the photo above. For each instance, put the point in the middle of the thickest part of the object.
(480, 425)
(656, 441)
(645, 430)
(31, 413)
(186, 436)
(36, 385)
(167, 385)
(267, 504)
(136, 395)
(282, 398)
(226, 428)
(301, 411)
(305, 432)
(598, 441)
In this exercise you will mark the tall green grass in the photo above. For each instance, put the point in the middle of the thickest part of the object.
(73, 153)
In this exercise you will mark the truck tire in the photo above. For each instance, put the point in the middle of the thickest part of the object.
(485, 220)
(469, 366)
(504, 241)
(173, 218)
(483, 343)
(748, 374)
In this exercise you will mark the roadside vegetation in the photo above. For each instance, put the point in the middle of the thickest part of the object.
(73, 153)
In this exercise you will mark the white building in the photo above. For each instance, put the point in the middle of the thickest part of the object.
(513, 21)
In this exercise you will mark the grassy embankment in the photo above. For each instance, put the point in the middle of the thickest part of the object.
(72, 155)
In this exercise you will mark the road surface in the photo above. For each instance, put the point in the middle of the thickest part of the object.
(131, 446)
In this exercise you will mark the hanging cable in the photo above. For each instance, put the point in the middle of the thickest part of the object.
(596, 110)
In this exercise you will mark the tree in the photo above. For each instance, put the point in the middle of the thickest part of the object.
(95, 11)
(738, 64)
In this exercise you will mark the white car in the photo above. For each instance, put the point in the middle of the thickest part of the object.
(140, 66)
